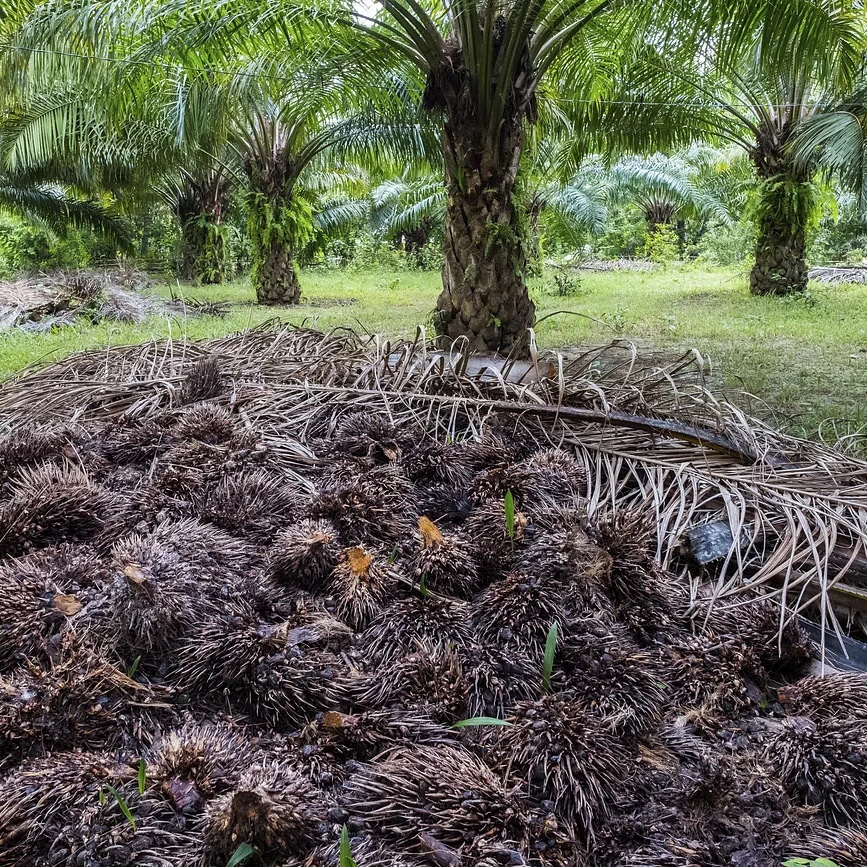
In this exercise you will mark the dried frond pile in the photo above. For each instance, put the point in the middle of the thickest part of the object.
(268, 587)
(119, 295)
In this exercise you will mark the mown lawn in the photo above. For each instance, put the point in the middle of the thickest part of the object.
(797, 363)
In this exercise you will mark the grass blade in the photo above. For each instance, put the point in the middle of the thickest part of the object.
(550, 650)
(142, 776)
(130, 672)
(509, 504)
(124, 807)
(481, 721)
(241, 854)
(345, 859)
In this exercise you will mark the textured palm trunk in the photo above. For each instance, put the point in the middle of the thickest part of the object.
(203, 250)
(276, 278)
(780, 267)
(484, 297)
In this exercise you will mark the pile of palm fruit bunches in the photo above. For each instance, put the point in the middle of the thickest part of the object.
(426, 655)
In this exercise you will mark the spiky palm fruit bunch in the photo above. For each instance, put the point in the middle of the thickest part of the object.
(252, 502)
(131, 441)
(168, 581)
(335, 739)
(444, 791)
(434, 623)
(430, 462)
(205, 422)
(488, 530)
(272, 672)
(364, 851)
(43, 592)
(361, 585)
(431, 680)
(645, 597)
(498, 678)
(564, 754)
(30, 836)
(376, 507)
(517, 610)
(823, 764)
(841, 846)
(203, 380)
(445, 561)
(775, 636)
(79, 700)
(207, 442)
(549, 478)
(558, 550)
(192, 764)
(273, 809)
(711, 675)
(53, 503)
(304, 555)
(840, 695)
(31, 444)
(614, 678)
(365, 434)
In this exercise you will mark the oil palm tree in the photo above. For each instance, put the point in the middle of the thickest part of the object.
(740, 100)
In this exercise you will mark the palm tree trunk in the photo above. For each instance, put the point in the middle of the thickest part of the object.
(783, 212)
(203, 247)
(276, 278)
(780, 267)
(484, 297)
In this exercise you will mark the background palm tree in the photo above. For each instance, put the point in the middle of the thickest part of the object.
(761, 108)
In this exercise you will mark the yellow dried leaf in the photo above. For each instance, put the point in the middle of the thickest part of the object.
(67, 605)
(134, 573)
(332, 720)
(430, 533)
(359, 560)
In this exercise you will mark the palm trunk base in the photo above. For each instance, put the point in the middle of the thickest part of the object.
(276, 279)
(780, 267)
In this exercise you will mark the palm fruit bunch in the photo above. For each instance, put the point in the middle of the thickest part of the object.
(402, 651)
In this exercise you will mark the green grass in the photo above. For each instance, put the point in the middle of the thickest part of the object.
(795, 362)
